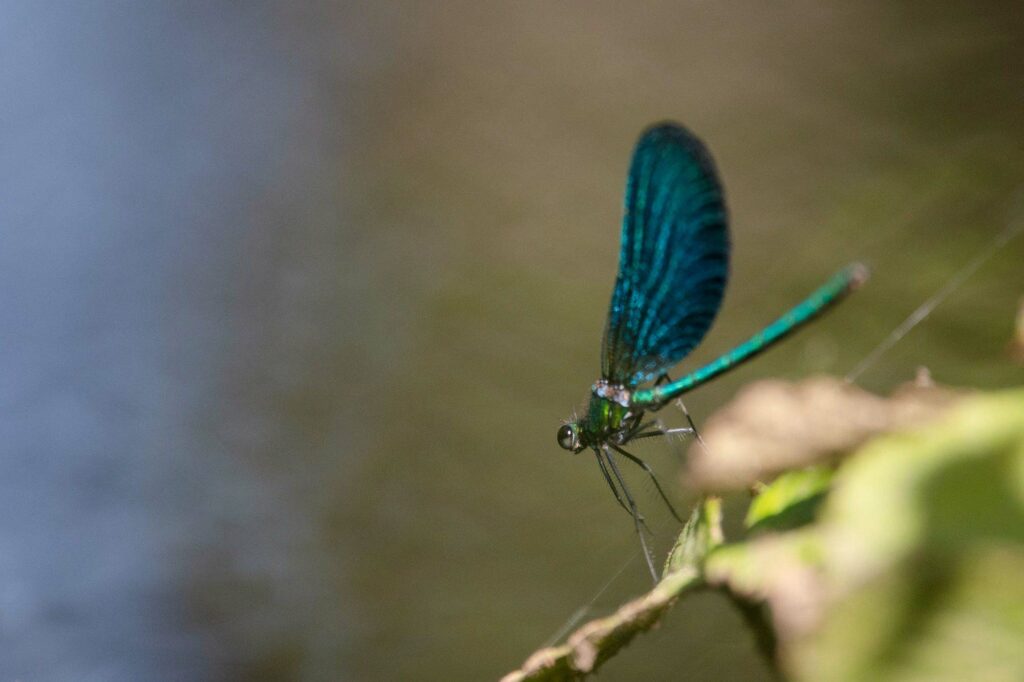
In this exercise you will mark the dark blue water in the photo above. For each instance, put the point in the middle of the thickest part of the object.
(157, 503)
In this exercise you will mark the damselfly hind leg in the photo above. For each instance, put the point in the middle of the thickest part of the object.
(661, 432)
(665, 379)
(696, 434)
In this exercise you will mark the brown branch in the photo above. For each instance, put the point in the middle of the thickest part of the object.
(597, 641)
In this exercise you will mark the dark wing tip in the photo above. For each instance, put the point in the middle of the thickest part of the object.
(669, 130)
(666, 127)
(673, 132)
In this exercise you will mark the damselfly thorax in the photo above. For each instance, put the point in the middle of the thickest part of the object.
(609, 418)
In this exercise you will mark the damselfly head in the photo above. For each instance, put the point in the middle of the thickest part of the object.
(569, 437)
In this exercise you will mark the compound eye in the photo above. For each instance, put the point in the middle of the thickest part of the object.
(567, 437)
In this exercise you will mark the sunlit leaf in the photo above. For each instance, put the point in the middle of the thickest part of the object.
(790, 500)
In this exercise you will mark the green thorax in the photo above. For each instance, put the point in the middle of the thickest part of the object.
(603, 418)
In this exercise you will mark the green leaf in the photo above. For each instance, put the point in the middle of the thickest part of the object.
(791, 500)
(702, 532)
(925, 553)
(914, 570)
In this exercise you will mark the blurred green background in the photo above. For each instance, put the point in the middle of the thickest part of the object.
(295, 298)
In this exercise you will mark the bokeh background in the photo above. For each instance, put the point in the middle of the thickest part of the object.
(295, 295)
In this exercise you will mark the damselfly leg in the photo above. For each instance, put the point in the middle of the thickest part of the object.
(650, 472)
(633, 510)
(615, 490)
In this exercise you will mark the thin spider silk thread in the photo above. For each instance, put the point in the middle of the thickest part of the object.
(581, 613)
(925, 309)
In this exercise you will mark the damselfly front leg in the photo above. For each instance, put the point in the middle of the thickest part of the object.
(615, 490)
(636, 514)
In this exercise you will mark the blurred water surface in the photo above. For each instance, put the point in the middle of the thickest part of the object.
(294, 299)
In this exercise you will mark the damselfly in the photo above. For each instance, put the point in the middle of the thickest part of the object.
(673, 267)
